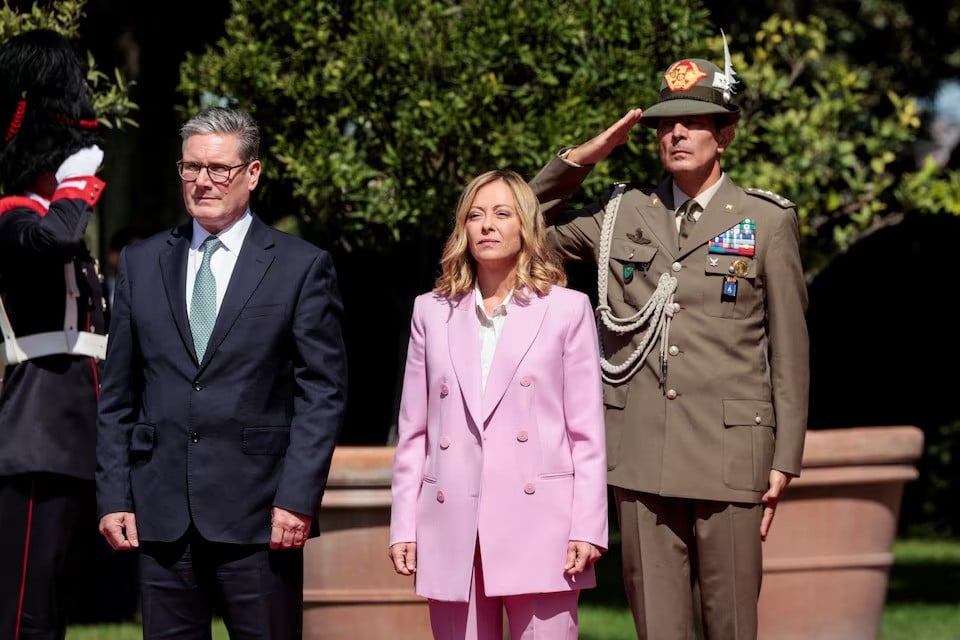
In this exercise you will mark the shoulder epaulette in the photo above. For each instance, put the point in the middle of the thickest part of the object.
(9, 203)
(775, 198)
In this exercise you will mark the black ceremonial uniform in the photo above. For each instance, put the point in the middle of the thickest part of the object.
(54, 320)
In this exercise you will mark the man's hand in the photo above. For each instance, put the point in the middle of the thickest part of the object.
(580, 555)
(778, 484)
(598, 148)
(120, 530)
(289, 529)
(404, 556)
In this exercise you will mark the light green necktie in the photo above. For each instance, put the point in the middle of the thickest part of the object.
(203, 304)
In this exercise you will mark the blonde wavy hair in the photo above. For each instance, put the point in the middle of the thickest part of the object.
(537, 268)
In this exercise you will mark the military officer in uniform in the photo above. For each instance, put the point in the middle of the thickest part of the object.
(704, 351)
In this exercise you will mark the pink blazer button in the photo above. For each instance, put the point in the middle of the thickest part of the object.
(529, 489)
(444, 390)
(444, 442)
(522, 436)
(525, 381)
(440, 496)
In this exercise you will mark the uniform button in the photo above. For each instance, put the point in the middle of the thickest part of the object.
(671, 394)
(444, 390)
(196, 386)
(525, 381)
(676, 307)
(444, 442)
(440, 497)
(522, 436)
(529, 489)
(676, 266)
(758, 419)
(194, 437)
(674, 350)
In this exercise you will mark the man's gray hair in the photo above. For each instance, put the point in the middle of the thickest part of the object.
(225, 120)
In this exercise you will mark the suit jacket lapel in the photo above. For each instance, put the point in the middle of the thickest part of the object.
(252, 263)
(173, 272)
(519, 329)
(724, 211)
(463, 341)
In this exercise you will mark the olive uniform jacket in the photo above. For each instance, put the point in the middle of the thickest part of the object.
(734, 402)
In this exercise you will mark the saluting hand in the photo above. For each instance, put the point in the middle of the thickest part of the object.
(598, 148)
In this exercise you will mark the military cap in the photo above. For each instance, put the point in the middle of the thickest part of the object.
(693, 87)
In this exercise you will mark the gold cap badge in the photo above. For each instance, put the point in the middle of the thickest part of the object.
(683, 75)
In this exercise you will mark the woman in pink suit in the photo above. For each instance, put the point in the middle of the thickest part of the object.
(499, 480)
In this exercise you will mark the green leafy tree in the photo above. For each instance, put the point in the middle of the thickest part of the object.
(111, 93)
(375, 113)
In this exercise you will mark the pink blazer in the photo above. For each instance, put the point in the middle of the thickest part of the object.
(519, 466)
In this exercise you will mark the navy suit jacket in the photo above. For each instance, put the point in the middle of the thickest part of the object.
(252, 426)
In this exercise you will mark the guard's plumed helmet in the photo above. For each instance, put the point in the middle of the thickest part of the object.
(46, 112)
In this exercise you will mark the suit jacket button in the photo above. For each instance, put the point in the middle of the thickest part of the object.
(674, 350)
(444, 442)
(194, 437)
(676, 266)
(671, 394)
(522, 436)
(196, 386)
(758, 419)
(444, 390)
(440, 496)
(525, 381)
(529, 489)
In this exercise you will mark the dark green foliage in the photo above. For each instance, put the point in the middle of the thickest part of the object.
(377, 113)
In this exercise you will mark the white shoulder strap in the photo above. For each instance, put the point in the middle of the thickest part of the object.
(70, 341)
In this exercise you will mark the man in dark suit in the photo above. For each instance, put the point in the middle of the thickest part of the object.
(704, 355)
(222, 398)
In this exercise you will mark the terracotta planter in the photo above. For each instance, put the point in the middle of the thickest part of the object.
(350, 590)
(827, 559)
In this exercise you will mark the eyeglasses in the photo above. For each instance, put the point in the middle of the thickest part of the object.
(218, 173)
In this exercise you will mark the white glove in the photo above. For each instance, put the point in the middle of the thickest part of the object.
(82, 163)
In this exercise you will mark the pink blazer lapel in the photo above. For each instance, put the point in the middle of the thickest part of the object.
(519, 330)
(463, 339)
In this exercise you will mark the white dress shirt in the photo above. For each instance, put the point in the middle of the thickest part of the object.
(491, 326)
(224, 259)
(680, 198)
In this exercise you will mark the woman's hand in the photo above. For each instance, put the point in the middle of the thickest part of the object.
(580, 556)
(404, 556)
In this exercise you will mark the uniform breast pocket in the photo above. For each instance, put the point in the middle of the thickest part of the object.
(630, 268)
(731, 286)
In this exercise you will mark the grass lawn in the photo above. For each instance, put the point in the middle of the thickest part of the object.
(923, 600)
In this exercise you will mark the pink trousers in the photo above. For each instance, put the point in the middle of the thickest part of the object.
(532, 616)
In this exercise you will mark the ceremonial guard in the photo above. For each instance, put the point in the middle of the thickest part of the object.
(53, 319)
(704, 353)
